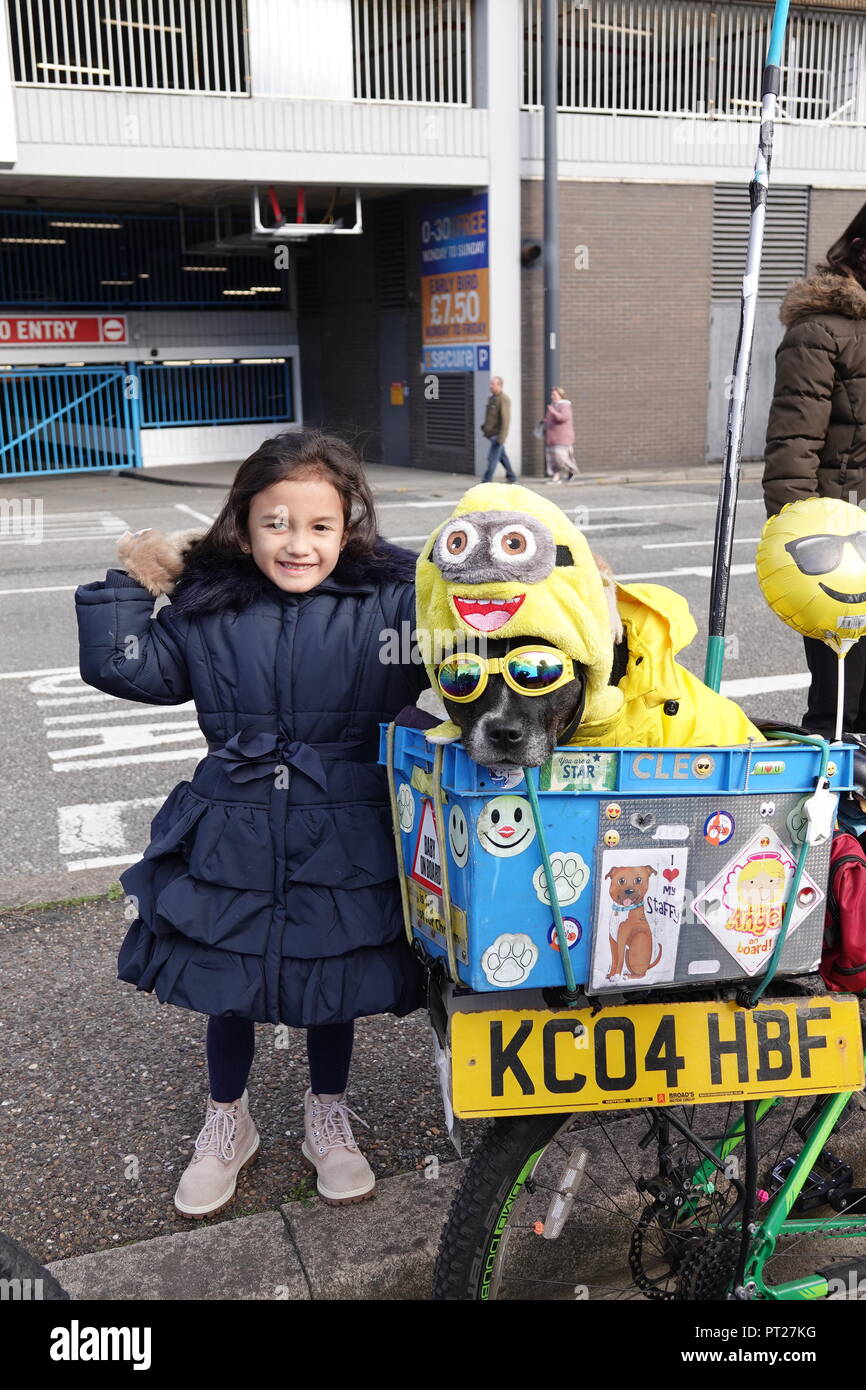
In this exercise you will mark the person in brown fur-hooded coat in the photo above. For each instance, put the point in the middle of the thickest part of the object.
(816, 432)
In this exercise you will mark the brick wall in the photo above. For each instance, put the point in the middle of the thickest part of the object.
(634, 326)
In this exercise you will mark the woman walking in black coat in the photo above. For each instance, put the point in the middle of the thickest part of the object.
(268, 891)
(816, 433)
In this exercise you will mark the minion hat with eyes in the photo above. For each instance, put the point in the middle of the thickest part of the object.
(508, 563)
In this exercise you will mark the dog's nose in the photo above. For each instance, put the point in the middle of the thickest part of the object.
(505, 733)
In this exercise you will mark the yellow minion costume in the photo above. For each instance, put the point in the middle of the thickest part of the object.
(508, 563)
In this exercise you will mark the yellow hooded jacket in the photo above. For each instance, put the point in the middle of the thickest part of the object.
(511, 564)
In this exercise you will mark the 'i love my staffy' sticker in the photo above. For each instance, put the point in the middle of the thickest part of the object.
(639, 911)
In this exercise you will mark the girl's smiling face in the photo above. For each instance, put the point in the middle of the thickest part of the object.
(296, 532)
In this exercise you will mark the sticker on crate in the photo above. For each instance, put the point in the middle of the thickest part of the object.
(458, 836)
(744, 905)
(505, 826)
(639, 911)
(406, 807)
(509, 960)
(427, 859)
(570, 877)
(579, 771)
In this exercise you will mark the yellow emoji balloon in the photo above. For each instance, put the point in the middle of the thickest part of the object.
(811, 565)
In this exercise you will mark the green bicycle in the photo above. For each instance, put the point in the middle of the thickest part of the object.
(698, 1203)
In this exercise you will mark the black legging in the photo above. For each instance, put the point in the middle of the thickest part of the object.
(820, 716)
(231, 1045)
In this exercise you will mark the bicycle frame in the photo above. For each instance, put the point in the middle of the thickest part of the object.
(775, 1223)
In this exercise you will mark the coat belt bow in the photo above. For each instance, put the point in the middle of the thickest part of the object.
(254, 754)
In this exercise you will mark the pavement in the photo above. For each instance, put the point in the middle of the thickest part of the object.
(102, 1092)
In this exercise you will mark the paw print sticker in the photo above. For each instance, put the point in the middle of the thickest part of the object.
(509, 960)
(406, 807)
(570, 877)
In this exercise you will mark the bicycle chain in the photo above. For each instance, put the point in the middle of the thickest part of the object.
(714, 1250)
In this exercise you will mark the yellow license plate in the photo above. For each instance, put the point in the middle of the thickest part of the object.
(513, 1063)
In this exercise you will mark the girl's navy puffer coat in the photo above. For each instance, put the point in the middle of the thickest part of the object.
(268, 890)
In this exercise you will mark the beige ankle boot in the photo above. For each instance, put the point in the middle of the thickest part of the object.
(343, 1173)
(227, 1143)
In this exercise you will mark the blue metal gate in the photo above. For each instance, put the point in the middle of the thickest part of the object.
(68, 419)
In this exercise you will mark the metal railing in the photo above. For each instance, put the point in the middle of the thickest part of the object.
(699, 59)
(64, 420)
(216, 393)
(132, 45)
(413, 50)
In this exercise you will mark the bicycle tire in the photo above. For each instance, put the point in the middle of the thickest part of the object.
(474, 1240)
(480, 1200)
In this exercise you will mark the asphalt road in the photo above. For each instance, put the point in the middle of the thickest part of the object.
(84, 773)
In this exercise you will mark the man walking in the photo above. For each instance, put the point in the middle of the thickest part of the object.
(497, 418)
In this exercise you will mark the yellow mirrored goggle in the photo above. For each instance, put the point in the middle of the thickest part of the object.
(532, 670)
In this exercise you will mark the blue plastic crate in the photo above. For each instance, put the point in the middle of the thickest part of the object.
(701, 840)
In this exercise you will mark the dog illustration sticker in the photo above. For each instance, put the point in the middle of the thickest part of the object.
(744, 905)
(639, 910)
(505, 826)
(509, 960)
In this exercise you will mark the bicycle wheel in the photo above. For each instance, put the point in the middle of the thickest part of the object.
(627, 1205)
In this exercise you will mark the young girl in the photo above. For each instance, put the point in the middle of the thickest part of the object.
(268, 892)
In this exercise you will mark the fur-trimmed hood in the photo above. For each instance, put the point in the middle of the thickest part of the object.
(211, 582)
(824, 293)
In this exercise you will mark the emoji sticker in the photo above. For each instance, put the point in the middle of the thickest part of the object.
(703, 765)
(458, 836)
(768, 808)
(505, 826)
(613, 810)
(406, 807)
(509, 960)
(570, 877)
(611, 838)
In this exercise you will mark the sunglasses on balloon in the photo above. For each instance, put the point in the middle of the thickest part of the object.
(530, 670)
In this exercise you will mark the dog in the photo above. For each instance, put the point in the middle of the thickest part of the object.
(632, 946)
(505, 729)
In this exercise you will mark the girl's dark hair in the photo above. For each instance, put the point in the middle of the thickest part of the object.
(298, 454)
(848, 253)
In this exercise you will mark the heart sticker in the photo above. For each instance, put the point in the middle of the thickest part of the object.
(670, 874)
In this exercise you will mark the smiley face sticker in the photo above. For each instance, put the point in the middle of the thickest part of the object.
(505, 826)
(611, 838)
(458, 836)
(613, 810)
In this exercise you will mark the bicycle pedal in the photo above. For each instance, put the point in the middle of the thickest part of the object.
(848, 1199)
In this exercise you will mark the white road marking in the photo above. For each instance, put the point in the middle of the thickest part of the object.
(199, 516)
(90, 826)
(760, 685)
(697, 571)
(677, 545)
(172, 756)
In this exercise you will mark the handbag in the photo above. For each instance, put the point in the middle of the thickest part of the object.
(538, 430)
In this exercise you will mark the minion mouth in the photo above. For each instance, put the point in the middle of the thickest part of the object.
(843, 598)
(487, 614)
